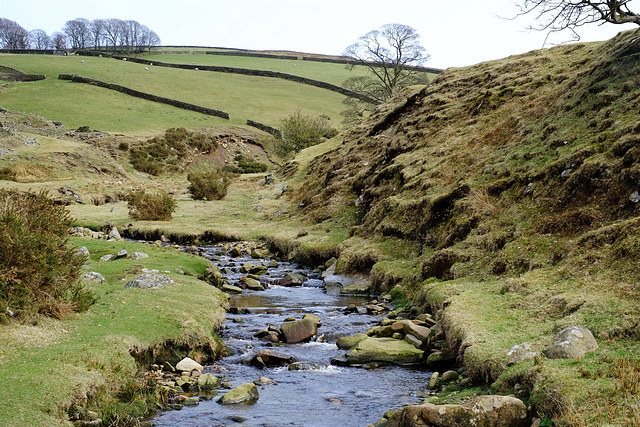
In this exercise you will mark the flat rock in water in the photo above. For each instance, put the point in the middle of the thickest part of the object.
(383, 350)
(291, 279)
(300, 330)
(271, 359)
(360, 287)
(208, 381)
(252, 284)
(246, 393)
(230, 289)
(348, 342)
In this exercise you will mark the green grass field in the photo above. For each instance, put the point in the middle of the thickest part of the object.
(262, 99)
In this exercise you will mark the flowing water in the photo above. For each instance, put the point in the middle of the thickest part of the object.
(326, 395)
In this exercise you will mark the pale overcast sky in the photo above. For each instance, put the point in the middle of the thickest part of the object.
(454, 33)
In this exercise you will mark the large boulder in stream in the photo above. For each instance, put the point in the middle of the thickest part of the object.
(246, 393)
(494, 411)
(271, 359)
(291, 279)
(380, 350)
(296, 331)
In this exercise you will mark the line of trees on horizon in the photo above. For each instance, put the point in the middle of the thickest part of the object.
(81, 33)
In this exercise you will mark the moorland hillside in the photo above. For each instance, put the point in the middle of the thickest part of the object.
(502, 198)
(511, 190)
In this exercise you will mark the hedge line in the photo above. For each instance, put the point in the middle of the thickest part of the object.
(179, 104)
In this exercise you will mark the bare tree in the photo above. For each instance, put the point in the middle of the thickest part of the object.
(390, 55)
(559, 15)
(97, 32)
(78, 32)
(59, 41)
(12, 35)
(39, 39)
(112, 30)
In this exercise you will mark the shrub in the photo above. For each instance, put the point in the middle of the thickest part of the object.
(39, 271)
(300, 131)
(249, 165)
(123, 146)
(150, 206)
(170, 152)
(7, 174)
(210, 184)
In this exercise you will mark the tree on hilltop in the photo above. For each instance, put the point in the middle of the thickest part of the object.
(39, 39)
(559, 15)
(12, 35)
(389, 54)
(79, 33)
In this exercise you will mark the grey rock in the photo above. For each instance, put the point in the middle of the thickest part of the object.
(271, 359)
(420, 332)
(246, 393)
(149, 281)
(300, 330)
(571, 343)
(230, 289)
(137, 255)
(449, 376)
(208, 381)
(383, 350)
(83, 251)
(413, 340)
(433, 380)
(114, 234)
(187, 365)
(93, 276)
(519, 353)
(107, 257)
(122, 254)
(494, 411)
(252, 284)
(291, 279)
(348, 342)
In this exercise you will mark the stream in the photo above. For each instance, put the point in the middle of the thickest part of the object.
(324, 395)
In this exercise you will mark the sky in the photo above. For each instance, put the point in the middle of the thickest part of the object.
(454, 33)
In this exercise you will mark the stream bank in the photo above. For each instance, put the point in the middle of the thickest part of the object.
(314, 386)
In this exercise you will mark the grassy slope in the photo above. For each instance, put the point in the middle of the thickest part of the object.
(53, 363)
(442, 172)
(447, 167)
(266, 100)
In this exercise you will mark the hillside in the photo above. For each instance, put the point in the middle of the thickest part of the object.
(511, 189)
(503, 197)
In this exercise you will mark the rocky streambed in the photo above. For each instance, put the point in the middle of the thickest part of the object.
(305, 351)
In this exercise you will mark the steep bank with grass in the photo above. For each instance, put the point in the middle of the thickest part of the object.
(511, 190)
(57, 368)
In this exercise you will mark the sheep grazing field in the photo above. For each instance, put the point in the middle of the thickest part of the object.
(262, 99)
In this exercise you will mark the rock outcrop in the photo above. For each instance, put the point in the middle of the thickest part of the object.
(483, 411)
